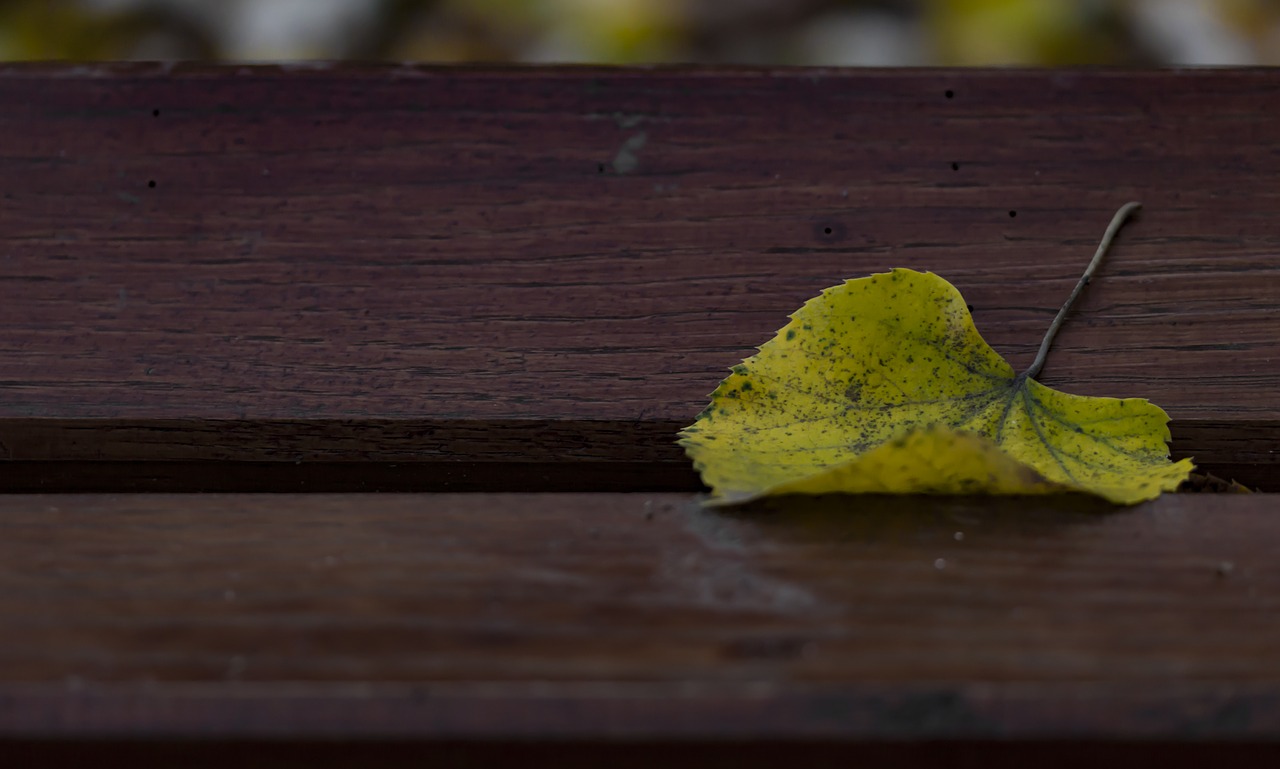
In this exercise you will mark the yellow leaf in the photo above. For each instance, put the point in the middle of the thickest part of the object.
(883, 384)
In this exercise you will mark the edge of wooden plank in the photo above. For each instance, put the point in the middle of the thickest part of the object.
(1179, 711)
(86, 455)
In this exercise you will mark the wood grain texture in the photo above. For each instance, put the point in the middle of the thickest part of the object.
(637, 617)
(368, 265)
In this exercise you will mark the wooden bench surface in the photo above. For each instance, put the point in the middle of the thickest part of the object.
(616, 620)
(556, 266)
(518, 281)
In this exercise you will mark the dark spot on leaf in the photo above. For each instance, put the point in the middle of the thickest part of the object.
(746, 386)
(791, 334)
(854, 391)
(739, 369)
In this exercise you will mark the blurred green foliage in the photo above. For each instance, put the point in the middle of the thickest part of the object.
(836, 32)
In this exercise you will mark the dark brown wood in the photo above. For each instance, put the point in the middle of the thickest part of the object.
(482, 279)
(638, 617)
(427, 265)
(631, 754)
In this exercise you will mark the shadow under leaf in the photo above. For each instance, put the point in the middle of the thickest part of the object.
(892, 517)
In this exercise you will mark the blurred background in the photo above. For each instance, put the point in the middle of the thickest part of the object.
(761, 32)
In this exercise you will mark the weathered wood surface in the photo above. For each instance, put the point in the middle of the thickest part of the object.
(638, 617)
(551, 267)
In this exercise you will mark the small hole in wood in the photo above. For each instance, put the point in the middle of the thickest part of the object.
(600, 168)
(152, 184)
(955, 166)
(950, 94)
(829, 231)
(1012, 214)
(155, 113)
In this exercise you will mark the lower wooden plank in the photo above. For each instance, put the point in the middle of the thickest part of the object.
(638, 617)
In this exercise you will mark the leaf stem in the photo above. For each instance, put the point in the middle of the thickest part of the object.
(1112, 229)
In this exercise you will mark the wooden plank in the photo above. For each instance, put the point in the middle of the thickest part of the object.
(638, 618)
(625, 754)
(371, 265)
